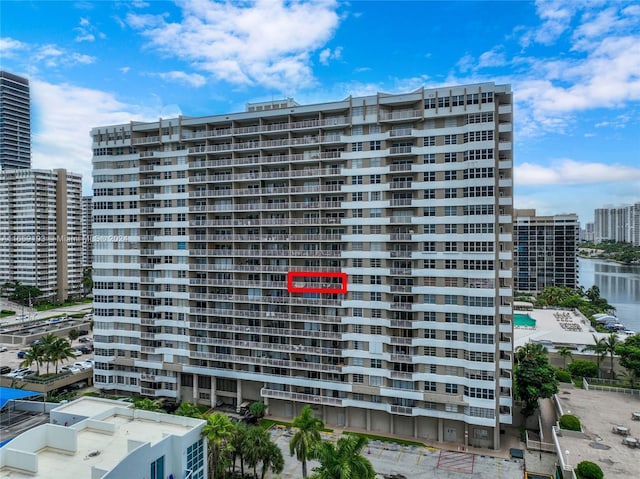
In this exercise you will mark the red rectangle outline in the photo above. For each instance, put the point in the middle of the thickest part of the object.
(293, 274)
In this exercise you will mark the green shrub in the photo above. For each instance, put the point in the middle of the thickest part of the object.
(583, 369)
(589, 470)
(569, 422)
(563, 376)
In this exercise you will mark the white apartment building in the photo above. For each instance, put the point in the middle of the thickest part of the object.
(87, 231)
(106, 439)
(40, 229)
(619, 224)
(409, 195)
(545, 250)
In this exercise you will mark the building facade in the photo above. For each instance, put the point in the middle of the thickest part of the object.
(231, 233)
(87, 231)
(619, 224)
(15, 122)
(40, 224)
(545, 250)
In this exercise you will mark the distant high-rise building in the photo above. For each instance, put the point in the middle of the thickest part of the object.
(40, 225)
(545, 250)
(353, 255)
(586, 234)
(620, 224)
(87, 231)
(15, 122)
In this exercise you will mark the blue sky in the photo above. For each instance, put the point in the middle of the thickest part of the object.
(574, 68)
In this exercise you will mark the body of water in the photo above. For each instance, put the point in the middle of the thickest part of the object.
(619, 284)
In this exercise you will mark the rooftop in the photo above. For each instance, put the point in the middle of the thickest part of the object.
(101, 441)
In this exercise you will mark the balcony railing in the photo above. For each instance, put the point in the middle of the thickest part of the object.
(300, 397)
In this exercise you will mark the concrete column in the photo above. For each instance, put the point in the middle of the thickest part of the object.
(195, 388)
(415, 426)
(238, 392)
(368, 419)
(391, 424)
(213, 392)
(440, 430)
(346, 417)
(466, 435)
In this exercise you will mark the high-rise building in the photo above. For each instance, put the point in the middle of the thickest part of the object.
(619, 224)
(15, 122)
(545, 250)
(87, 231)
(40, 224)
(353, 255)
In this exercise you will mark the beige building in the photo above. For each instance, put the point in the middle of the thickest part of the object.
(214, 288)
(40, 229)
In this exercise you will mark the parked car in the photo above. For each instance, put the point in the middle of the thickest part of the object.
(85, 340)
(83, 332)
(70, 369)
(85, 350)
(21, 354)
(79, 385)
(16, 372)
(83, 365)
(24, 374)
(5, 369)
(3, 349)
(76, 352)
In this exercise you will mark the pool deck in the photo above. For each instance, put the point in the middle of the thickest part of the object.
(556, 328)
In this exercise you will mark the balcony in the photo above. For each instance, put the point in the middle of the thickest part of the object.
(403, 410)
(299, 397)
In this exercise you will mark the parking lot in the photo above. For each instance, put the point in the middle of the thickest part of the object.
(411, 462)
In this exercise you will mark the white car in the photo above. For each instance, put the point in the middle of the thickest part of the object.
(24, 374)
(76, 353)
(70, 369)
(83, 365)
(17, 372)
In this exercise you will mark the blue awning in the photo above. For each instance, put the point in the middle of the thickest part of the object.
(7, 394)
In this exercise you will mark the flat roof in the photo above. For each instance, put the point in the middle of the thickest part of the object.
(88, 406)
(102, 441)
(556, 326)
(599, 412)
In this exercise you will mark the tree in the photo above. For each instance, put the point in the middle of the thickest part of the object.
(218, 431)
(589, 470)
(188, 409)
(24, 294)
(610, 344)
(534, 379)
(59, 349)
(271, 458)
(256, 442)
(564, 353)
(599, 349)
(581, 368)
(87, 281)
(629, 352)
(74, 334)
(306, 438)
(240, 443)
(344, 459)
(258, 409)
(530, 351)
(34, 355)
(147, 404)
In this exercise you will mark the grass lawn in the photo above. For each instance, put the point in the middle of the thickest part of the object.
(48, 306)
(372, 437)
(6, 312)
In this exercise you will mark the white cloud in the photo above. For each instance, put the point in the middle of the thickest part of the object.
(327, 54)
(63, 117)
(266, 42)
(9, 47)
(125, 70)
(571, 172)
(192, 79)
(87, 32)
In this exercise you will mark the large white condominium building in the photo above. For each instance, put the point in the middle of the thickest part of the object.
(619, 224)
(232, 236)
(40, 230)
(15, 122)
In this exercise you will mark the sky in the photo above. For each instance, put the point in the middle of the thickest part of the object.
(574, 68)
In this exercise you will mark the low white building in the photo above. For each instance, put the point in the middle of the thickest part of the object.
(106, 439)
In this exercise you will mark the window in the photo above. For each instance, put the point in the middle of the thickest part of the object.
(157, 468)
(430, 211)
(450, 192)
(450, 211)
(356, 229)
(376, 296)
(374, 145)
(430, 334)
(451, 335)
(374, 179)
(429, 194)
(429, 158)
(450, 139)
(358, 378)
(429, 141)
(357, 262)
(356, 180)
(451, 388)
(376, 363)
(357, 146)
(375, 380)
(430, 386)
(376, 279)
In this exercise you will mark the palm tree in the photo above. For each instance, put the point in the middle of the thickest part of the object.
(344, 459)
(218, 431)
(147, 404)
(257, 440)
(610, 343)
(188, 409)
(307, 438)
(564, 353)
(530, 351)
(59, 350)
(240, 443)
(34, 355)
(271, 457)
(48, 343)
(599, 349)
